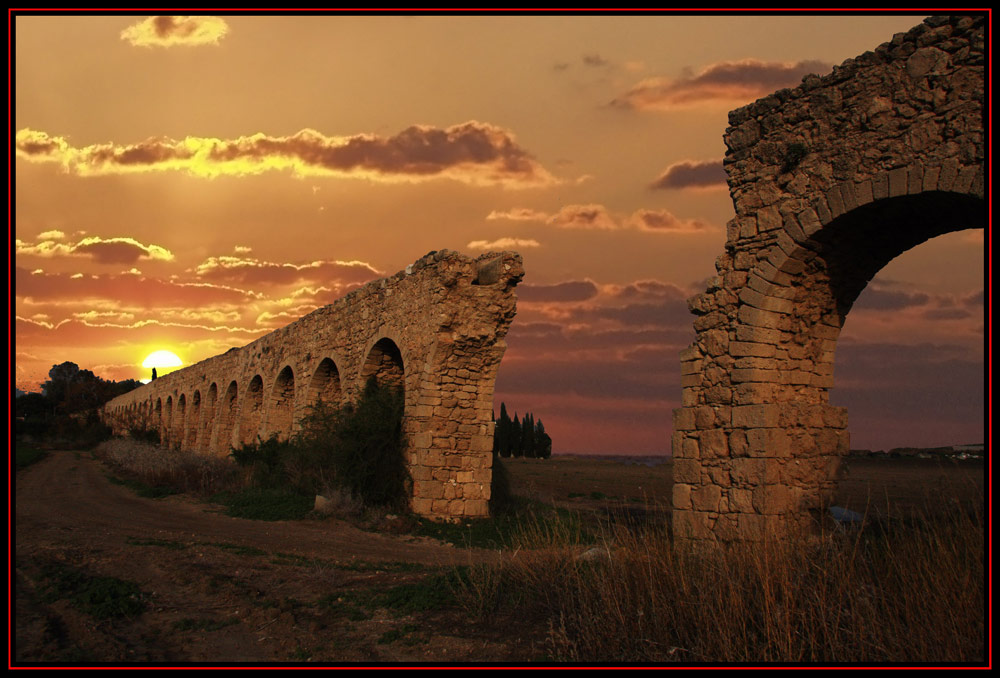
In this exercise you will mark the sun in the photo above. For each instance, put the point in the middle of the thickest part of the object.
(162, 359)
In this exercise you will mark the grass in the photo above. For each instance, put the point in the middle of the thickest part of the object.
(265, 504)
(904, 592)
(25, 455)
(188, 624)
(100, 597)
(142, 489)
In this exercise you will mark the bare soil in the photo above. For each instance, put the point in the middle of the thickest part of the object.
(226, 591)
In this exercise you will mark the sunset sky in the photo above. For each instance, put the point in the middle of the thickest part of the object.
(192, 183)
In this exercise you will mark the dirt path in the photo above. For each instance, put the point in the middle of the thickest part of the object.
(216, 588)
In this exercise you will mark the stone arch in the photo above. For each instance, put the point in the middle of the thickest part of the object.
(193, 422)
(166, 438)
(158, 418)
(251, 411)
(179, 434)
(281, 405)
(384, 362)
(325, 384)
(830, 181)
(203, 440)
(226, 419)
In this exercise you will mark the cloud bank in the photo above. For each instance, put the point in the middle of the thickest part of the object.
(472, 152)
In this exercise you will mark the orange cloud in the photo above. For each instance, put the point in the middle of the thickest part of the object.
(101, 250)
(503, 244)
(692, 174)
(726, 83)
(171, 31)
(250, 271)
(472, 152)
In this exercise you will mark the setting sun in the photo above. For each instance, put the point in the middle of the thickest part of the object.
(161, 359)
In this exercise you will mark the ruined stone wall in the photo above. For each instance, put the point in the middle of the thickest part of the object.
(436, 328)
(830, 181)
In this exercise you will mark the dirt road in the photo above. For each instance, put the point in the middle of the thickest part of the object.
(214, 588)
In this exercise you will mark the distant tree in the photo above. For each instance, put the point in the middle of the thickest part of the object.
(528, 436)
(543, 443)
(502, 433)
(515, 438)
(154, 375)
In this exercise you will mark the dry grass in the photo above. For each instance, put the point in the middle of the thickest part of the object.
(179, 470)
(912, 593)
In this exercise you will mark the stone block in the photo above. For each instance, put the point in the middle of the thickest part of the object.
(706, 498)
(768, 442)
(756, 416)
(690, 448)
(713, 443)
(880, 186)
(692, 525)
(684, 419)
(687, 471)
(898, 184)
(682, 496)
(772, 499)
(761, 318)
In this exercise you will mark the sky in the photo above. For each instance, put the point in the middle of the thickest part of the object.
(192, 183)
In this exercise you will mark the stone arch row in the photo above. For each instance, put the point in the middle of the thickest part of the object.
(228, 414)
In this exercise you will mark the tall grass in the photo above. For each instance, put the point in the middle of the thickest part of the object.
(179, 470)
(912, 593)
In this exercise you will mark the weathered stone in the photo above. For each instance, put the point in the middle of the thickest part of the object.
(436, 328)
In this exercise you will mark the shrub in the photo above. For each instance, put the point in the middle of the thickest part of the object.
(364, 445)
(356, 449)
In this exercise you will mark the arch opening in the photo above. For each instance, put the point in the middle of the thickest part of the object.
(251, 411)
(281, 405)
(204, 438)
(190, 441)
(385, 364)
(227, 420)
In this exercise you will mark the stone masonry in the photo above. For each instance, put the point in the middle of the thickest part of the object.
(830, 180)
(436, 328)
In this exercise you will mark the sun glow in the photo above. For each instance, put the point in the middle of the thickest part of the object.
(161, 359)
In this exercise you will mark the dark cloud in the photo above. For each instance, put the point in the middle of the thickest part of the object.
(880, 299)
(472, 152)
(692, 174)
(595, 60)
(564, 291)
(102, 250)
(663, 221)
(947, 314)
(727, 82)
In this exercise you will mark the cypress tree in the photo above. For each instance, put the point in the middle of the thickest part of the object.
(502, 433)
(515, 438)
(543, 443)
(528, 436)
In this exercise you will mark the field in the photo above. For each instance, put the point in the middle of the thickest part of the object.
(105, 575)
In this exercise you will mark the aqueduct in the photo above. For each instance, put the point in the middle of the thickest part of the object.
(436, 328)
(830, 181)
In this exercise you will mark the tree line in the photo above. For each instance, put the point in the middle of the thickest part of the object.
(520, 437)
(67, 405)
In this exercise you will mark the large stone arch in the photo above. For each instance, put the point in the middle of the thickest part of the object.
(830, 181)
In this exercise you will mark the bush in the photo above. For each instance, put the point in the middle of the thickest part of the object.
(364, 444)
(357, 449)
